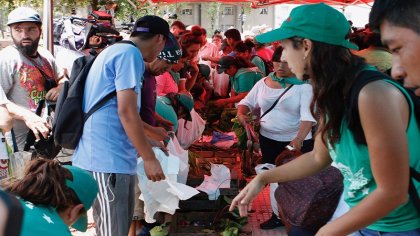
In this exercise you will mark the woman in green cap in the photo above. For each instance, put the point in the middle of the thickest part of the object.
(367, 127)
(175, 106)
(54, 197)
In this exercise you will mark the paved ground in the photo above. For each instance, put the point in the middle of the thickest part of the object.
(260, 206)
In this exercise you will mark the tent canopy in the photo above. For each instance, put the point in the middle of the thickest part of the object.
(264, 3)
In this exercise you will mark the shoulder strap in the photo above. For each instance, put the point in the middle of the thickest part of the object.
(275, 103)
(352, 109)
(107, 97)
(363, 78)
(99, 105)
(15, 146)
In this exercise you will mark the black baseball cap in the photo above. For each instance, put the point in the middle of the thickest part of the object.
(224, 63)
(152, 24)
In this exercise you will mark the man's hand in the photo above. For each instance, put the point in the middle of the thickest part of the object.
(37, 125)
(159, 134)
(159, 145)
(153, 170)
(53, 93)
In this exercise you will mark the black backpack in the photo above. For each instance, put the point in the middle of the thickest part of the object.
(69, 117)
(364, 77)
(267, 64)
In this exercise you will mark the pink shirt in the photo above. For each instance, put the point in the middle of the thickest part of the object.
(265, 53)
(165, 84)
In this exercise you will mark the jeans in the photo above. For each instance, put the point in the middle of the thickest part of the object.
(369, 232)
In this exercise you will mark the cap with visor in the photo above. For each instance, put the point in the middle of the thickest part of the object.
(318, 22)
(23, 14)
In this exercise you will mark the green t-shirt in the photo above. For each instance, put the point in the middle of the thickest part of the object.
(245, 79)
(165, 109)
(257, 61)
(175, 76)
(45, 221)
(353, 161)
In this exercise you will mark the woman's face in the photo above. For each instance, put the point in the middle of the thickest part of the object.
(282, 69)
(294, 58)
(231, 71)
(192, 51)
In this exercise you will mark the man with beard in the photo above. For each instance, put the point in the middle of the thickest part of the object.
(29, 74)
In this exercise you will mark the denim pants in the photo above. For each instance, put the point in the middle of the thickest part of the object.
(368, 232)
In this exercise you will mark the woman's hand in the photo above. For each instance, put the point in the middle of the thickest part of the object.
(246, 196)
(297, 143)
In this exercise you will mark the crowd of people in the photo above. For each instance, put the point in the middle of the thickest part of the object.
(313, 88)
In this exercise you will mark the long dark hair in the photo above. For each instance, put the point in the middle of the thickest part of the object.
(44, 183)
(334, 69)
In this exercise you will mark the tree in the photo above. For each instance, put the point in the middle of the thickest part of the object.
(213, 10)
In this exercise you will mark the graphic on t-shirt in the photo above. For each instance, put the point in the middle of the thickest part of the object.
(33, 82)
(357, 180)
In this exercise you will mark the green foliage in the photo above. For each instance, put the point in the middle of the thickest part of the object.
(137, 10)
(161, 230)
(213, 11)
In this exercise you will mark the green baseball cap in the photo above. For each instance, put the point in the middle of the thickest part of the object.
(86, 189)
(186, 100)
(318, 22)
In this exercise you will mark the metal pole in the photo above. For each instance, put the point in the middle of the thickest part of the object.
(47, 25)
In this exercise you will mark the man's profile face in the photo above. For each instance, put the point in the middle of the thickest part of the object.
(159, 66)
(404, 44)
(26, 37)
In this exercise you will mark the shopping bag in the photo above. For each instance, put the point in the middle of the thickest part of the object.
(176, 150)
(190, 132)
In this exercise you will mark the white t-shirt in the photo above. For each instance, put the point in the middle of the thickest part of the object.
(283, 121)
(3, 98)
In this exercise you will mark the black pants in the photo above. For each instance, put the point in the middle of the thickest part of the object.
(270, 149)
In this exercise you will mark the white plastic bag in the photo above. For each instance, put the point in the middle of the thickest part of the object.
(220, 178)
(273, 186)
(192, 131)
(176, 150)
(220, 83)
(164, 195)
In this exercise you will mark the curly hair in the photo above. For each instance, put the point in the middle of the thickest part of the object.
(44, 183)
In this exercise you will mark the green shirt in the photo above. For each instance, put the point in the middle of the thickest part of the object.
(353, 161)
(175, 76)
(257, 61)
(42, 221)
(245, 79)
(164, 108)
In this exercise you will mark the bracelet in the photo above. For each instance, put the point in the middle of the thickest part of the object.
(300, 139)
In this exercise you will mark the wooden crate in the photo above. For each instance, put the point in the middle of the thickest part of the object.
(198, 222)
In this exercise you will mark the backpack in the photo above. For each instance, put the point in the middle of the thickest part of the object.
(352, 114)
(69, 117)
(268, 65)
